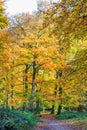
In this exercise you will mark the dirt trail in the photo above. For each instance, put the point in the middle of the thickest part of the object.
(52, 124)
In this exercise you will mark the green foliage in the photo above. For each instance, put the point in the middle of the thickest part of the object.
(16, 120)
(3, 18)
(0, 81)
(72, 115)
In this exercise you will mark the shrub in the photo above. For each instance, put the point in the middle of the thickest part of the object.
(16, 120)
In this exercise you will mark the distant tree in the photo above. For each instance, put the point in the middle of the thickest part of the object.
(3, 18)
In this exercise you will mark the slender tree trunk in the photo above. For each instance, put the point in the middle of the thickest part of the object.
(38, 101)
(25, 82)
(37, 105)
(80, 108)
(12, 91)
(33, 77)
(12, 96)
(6, 103)
(31, 106)
(53, 108)
(59, 109)
(60, 94)
(60, 105)
(55, 93)
(7, 99)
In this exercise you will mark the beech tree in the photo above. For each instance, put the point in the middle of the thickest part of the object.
(43, 62)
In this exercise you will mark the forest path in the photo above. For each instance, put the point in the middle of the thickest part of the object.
(50, 123)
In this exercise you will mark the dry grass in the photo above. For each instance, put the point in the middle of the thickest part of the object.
(81, 124)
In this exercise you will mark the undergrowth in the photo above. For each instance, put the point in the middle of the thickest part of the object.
(72, 115)
(17, 120)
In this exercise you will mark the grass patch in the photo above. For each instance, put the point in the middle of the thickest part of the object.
(72, 116)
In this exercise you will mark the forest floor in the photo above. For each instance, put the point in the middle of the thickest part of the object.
(50, 123)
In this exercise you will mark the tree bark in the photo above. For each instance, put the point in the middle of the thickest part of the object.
(12, 92)
(33, 77)
(80, 108)
(25, 82)
(55, 93)
(60, 94)
(12, 96)
(53, 109)
(60, 105)
(31, 106)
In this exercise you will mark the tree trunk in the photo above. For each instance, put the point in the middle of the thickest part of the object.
(6, 103)
(12, 92)
(55, 93)
(38, 101)
(33, 77)
(53, 109)
(80, 108)
(12, 96)
(37, 106)
(25, 82)
(60, 105)
(7, 98)
(31, 107)
(59, 109)
(60, 94)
